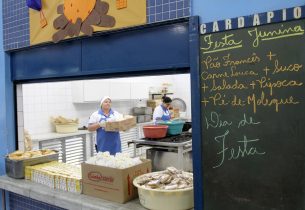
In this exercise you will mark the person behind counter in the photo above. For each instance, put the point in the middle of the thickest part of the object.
(162, 112)
(106, 140)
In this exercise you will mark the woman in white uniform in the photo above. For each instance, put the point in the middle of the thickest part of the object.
(162, 112)
(106, 140)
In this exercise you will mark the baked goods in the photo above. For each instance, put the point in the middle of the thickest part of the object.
(20, 155)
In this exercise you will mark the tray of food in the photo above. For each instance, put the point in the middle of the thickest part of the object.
(15, 162)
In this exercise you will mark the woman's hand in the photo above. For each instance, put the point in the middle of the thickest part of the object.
(102, 124)
(93, 126)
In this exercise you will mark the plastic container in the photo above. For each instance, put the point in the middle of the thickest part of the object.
(155, 131)
(15, 168)
(174, 127)
(165, 199)
(66, 128)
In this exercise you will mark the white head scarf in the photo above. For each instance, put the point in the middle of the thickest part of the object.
(103, 99)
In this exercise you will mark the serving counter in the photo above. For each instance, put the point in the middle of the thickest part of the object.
(74, 148)
(62, 199)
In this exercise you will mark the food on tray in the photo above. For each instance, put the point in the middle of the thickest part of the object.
(170, 179)
(20, 155)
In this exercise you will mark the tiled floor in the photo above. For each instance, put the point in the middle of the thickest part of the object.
(18, 202)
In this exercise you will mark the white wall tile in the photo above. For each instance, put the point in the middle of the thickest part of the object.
(19, 90)
(19, 103)
(20, 118)
(21, 145)
(43, 100)
(20, 133)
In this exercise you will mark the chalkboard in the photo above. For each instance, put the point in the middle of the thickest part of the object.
(253, 118)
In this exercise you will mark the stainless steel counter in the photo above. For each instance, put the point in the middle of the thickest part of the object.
(63, 199)
(181, 148)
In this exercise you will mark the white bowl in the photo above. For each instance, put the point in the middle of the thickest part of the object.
(66, 128)
(157, 199)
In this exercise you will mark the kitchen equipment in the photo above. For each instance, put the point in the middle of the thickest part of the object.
(162, 158)
(173, 151)
(155, 131)
(174, 126)
(143, 118)
(186, 126)
(142, 110)
(15, 168)
(178, 103)
(164, 199)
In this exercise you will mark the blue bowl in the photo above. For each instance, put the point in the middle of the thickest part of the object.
(174, 127)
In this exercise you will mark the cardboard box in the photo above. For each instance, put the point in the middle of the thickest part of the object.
(153, 103)
(111, 183)
(122, 125)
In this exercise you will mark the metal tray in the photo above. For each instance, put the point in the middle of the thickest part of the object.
(15, 168)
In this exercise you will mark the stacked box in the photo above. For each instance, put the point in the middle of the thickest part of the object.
(142, 110)
(56, 175)
(154, 103)
(144, 114)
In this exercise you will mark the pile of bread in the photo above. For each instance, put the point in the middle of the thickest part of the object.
(60, 120)
(21, 155)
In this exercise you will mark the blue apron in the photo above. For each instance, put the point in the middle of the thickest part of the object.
(166, 114)
(107, 140)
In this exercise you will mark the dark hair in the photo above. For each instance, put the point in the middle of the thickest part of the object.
(166, 99)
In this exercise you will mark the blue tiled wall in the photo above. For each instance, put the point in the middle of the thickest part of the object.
(16, 18)
(15, 24)
(18, 202)
(160, 10)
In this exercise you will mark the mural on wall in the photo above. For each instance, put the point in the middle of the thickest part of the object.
(72, 18)
(76, 16)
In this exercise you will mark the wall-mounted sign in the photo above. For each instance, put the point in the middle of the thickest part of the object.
(293, 13)
(253, 119)
(72, 18)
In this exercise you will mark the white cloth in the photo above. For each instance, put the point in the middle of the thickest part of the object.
(104, 98)
(159, 112)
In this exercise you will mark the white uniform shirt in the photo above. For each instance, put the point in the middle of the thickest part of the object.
(96, 117)
(159, 112)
